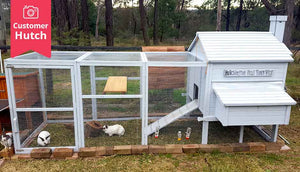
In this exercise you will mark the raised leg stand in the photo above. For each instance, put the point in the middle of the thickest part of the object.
(241, 134)
(205, 132)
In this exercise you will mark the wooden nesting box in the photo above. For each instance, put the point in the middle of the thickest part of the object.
(165, 77)
(26, 87)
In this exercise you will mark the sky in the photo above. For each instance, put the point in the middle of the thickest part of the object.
(197, 2)
(193, 3)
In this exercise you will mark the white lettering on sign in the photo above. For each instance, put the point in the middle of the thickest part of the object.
(248, 72)
(30, 36)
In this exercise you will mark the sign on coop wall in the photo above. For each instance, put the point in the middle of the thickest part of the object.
(31, 27)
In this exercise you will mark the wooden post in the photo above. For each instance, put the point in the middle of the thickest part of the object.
(241, 134)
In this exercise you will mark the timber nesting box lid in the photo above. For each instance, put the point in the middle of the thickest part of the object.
(218, 47)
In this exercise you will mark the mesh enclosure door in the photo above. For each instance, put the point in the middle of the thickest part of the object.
(118, 114)
(169, 114)
(44, 102)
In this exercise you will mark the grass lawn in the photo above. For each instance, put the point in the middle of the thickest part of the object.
(190, 162)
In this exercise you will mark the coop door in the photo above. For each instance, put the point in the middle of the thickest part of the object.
(196, 92)
(43, 99)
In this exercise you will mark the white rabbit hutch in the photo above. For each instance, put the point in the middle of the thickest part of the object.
(236, 78)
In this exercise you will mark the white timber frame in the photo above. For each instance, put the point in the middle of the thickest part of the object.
(203, 57)
(27, 61)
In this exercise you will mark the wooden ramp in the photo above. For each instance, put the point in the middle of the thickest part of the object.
(171, 117)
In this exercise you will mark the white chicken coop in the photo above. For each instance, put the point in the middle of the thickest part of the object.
(236, 78)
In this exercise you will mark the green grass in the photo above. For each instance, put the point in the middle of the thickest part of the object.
(63, 135)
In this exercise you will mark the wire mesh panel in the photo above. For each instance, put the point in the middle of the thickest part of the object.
(112, 108)
(29, 122)
(56, 86)
(36, 89)
(167, 90)
(128, 132)
(61, 134)
(121, 115)
(170, 116)
(102, 74)
(113, 112)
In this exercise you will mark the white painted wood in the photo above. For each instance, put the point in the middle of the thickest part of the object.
(241, 134)
(277, 26)
(42, 92)
(274, 133)
(171, 117)
(60, 109)
(105, 78)
(12, 107)
(112, 96)
(93, 91)
(205, 125)
(252, 94)
(224, 47)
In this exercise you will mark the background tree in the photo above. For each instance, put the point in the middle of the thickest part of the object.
(155, 24)
(144, 22)
(60, 9)
(180, 15)
(283, 7)
(98, 20)
(109, 23)
(2, 25)
(238, 23)
(72, 13)
(219, 15)
(167, 18)
(228, 15)
(85, 16)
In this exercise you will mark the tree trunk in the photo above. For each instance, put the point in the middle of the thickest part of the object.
(219, 15)
(85, 16)
(72, 13)
(289, 25)
(61, 17)
(238, 23)
(155, 23)
(271, 9)
(228, 16)
(97, 21)
(109, 23)
(289, 11)
(179, 22)
(133, 19)
(2, 27)
(144, 22)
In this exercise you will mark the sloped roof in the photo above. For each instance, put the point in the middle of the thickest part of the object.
(252, 94)
(241, 46)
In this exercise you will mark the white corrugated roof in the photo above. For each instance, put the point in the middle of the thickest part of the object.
(242, 46)
(252, 94)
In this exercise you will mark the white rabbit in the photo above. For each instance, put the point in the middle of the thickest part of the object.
(114, 129)
(43, 138)
(6, 139)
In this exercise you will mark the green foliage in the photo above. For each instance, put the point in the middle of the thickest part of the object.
(73, 37)
(168, 18)
(92, 15)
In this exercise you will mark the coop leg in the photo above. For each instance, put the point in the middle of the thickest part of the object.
(241, 134)
(274, 133)
(205, 132)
